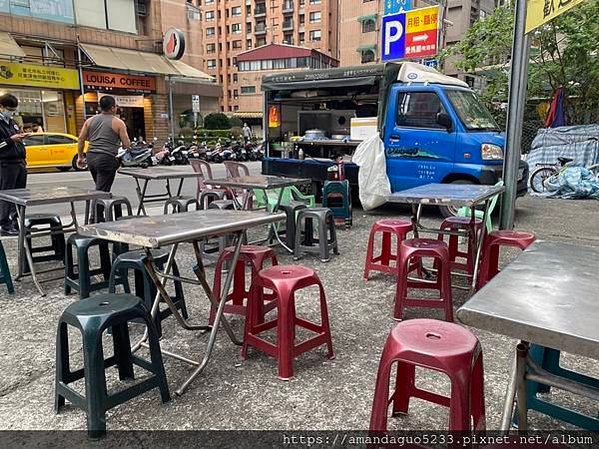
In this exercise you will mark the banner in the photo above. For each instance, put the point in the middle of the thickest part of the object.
(539, 12)
(274, 118)
(126, 101)
(38, 76)
(119, 81)
(395, 6)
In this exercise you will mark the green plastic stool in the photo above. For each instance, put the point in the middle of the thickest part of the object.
(92, 317)
(144, 287)
(467, 212)
(81, 280)
(5, 277)
(336, 195)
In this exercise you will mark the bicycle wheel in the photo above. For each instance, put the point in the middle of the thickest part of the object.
(540, 177)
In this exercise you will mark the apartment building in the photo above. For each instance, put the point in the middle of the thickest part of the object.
(60, 56)
(236, 26)
(359, 24)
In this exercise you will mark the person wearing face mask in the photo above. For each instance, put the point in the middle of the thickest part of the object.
(13, 171)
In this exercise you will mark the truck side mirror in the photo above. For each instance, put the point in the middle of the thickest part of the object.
(444, 120)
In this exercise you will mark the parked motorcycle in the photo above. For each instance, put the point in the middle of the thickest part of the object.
(139, 155)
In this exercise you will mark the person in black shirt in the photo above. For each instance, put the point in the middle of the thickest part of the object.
(13, 171)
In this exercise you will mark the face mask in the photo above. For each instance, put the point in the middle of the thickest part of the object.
(8, 114)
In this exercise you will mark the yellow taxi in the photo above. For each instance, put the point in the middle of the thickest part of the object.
(52, 150)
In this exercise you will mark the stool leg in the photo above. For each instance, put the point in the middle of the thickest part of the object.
(105, 263)
(333, 232)
(95, 383)
(298, 237)
(493, 267)
(404, 387)
(402, 286)
(324, 320)
(459, 402)
(380, 404)
(62, 362)
(156, 359)
(445, 289)
(122, 351)
(179, 296)
(369, 254)
(68, 268)
(323, 241)
(285, 334)
(477, 396)
(84, 276)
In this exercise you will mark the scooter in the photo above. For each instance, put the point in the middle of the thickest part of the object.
(136, 156)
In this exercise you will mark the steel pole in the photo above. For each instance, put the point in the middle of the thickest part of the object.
(515, 114)
(81, 86)
(171, 108)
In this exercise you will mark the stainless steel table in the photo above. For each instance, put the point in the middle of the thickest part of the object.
(264, 183)
(175, 229)
(156, 174)
(456, 195)
(548, 296)
(40, 196)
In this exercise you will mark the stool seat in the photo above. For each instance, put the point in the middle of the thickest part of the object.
(110, 209)
(463, 221)
(511, 236)
(440, 346)
(82, 280)
(393, 224)
(102, 307)
(179, 204)
(286, 274)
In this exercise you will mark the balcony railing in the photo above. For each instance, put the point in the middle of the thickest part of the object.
(287, 7)
(287, 25)
(260, 10)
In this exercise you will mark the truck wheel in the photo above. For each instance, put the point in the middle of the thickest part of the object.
(450, 211)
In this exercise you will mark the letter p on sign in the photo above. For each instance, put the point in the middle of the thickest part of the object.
(394, 37)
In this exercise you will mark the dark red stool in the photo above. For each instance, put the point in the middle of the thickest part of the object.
(440, 346)
(419, 249)
(490, 255)
(464, 224)
(284, 281)
(250, 255)
(382, 262)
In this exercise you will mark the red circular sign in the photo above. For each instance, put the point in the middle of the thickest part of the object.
(173, 44)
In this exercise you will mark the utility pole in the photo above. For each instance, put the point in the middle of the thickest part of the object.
(515, 115)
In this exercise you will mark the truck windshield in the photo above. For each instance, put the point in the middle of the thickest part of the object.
(473, 113)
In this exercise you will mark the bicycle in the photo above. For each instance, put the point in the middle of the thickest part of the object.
(539, 178)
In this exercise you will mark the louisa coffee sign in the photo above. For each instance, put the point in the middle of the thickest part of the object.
(106, 80)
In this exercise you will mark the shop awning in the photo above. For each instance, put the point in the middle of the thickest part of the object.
(139, 61)
(9, 47)
(243, 115)
(369, 47)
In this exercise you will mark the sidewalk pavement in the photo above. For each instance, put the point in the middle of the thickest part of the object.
(235, 394)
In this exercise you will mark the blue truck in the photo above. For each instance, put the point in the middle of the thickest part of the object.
(434, 127)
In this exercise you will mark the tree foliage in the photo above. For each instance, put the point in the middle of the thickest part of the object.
(564, 53)
(217, 120)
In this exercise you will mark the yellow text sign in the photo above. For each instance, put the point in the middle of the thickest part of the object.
(38, 76)
(423, 19)
(539, 12)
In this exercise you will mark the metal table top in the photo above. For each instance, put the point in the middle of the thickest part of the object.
(158, 173)
(157, 231)
(39, 195)
(257, 182)
(458, 195)
(549, 295)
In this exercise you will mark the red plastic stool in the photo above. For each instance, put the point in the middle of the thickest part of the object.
(441, 346)
(382, 262)
(490, 256)
(284, 281)
(420, 248)
(461, 224)
(255, 257)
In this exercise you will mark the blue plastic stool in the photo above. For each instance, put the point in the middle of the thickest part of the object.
(5, 272)
(336, 195)
(548, 359)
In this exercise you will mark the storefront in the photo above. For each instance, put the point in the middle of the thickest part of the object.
(132, 94)
(45, 94)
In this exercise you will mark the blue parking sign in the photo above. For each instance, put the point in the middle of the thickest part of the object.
(394, 37)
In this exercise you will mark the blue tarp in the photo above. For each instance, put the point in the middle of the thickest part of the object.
(573, 183)
(580, 143)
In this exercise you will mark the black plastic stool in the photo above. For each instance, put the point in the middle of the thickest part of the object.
(56, 249)
(222, 204)
(304, 237)
(207, 196)
(92, 317)
(5, 272)
(144, 287)
(81, 281)
(110, 209)
(180, 204)
(291, 211)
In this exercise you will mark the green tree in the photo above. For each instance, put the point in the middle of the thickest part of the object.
(217, 120)
(564, 53)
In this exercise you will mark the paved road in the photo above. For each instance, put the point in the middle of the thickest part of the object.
(123, 185)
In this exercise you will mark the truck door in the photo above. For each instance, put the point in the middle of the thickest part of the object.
(418, 149)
